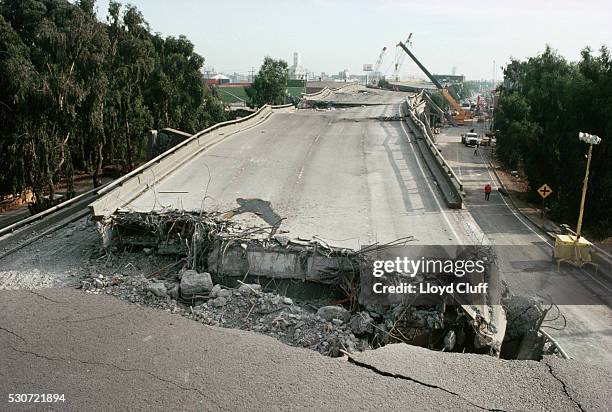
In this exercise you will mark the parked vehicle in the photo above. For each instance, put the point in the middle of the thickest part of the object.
(470, 139)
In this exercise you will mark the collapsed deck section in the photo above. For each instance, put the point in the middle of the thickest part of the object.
(292, 198)
(208, 242)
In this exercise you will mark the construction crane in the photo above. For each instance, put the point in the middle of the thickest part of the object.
(376, 72)
(459, 114)
(399, 59)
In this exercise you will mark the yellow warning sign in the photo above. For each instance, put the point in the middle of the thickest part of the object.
(545, 191)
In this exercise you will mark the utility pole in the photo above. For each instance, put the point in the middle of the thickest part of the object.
(252, 74)
(494, 74)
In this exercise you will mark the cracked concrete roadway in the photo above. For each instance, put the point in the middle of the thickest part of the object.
(342, 175)
(106, 354)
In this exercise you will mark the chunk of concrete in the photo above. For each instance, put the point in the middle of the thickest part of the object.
(157, 288)
(250, 288)
(173, 292)
(362, 323)
(194, 283)
(218, 302)
(215, 290)
(334, 312)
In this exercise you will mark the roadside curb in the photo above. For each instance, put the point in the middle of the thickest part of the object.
(514, 205)
(603, 262)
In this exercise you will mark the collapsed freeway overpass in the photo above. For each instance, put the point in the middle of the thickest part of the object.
(295, 194)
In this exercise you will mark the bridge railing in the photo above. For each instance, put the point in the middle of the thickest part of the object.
(451, 186)
(125, 189)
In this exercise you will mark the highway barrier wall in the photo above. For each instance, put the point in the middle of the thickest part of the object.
(326, 91)
(449, 184)
(130, 186)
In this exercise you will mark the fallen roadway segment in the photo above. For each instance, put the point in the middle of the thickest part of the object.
(103, 353)
(340, 175)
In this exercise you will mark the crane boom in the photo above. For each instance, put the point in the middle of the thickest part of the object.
(423, 68)
(376, 71)
(380, 59)
(461, 114)
(399, 60)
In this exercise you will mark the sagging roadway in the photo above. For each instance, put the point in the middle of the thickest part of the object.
(347, 175)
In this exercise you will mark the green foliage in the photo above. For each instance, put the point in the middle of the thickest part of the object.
(544, 102)
(76, 93)
(269, 84)
(383, 83)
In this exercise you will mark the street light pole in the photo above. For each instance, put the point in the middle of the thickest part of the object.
(591, 140)
(584, 190)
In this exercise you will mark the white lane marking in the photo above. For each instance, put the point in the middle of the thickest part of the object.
(548, 242)
(427, 182)
(494, 181)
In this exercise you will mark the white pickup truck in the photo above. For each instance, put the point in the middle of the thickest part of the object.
(471, 139)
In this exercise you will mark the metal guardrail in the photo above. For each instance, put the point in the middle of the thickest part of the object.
(44, 213)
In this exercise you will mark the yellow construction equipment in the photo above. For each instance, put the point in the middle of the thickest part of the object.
(459, 114)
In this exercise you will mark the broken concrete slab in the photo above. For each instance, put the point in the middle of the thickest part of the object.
(228, 251)
(362, 323)
(484, 381)
(157, 288)
(334, 312)
(194, 283)
(238, 362)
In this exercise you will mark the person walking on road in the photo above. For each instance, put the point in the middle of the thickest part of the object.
(476, 149)
(487, 190)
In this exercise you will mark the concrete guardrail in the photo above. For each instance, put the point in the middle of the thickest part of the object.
(326, 91)
(131, 185)
(448, 182)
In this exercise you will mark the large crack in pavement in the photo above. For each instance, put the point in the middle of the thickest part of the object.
(10, 332)
(570, 397)
(40, 295)
(429, 385)
(125, 370)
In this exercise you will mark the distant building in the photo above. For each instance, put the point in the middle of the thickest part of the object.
(238, 78)
(217, 79)
(296, 71)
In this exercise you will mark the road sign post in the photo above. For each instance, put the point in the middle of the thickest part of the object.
(544, 191)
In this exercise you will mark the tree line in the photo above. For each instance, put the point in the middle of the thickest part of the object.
(545, 101)
(79, 94)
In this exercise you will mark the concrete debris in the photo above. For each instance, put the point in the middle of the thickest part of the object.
(330, 313)
(254, 288)
(248, 308)
(218, 302)
(157, 288)
(194, 283)
(174, 291)
(362, 323)
(215, 290)
(449, 340)
(219, 248)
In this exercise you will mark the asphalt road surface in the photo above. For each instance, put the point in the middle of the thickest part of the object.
(343, 175)
(105, 354)
(525, 259)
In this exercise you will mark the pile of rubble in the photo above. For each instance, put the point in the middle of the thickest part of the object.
(328, 329)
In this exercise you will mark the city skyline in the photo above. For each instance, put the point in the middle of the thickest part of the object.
(335, 35)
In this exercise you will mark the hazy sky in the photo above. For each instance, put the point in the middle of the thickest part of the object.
(332, 35)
